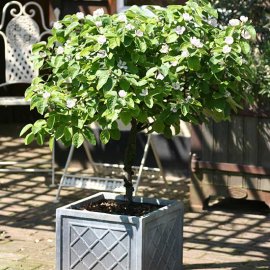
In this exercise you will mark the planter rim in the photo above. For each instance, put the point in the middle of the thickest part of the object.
(167, 205)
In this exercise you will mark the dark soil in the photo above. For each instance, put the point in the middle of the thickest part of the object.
(119, 207)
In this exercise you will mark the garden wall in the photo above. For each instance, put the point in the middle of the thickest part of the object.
(232, 159)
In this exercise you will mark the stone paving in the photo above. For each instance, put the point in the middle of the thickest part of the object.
(212, 239)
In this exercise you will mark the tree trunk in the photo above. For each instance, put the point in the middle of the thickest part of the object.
(129, 159)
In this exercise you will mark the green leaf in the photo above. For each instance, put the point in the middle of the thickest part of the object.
(59, 133)
(128, 40)
(58, 61)
(158, 126)
(38, 47)
(142, 83)
(68, 133)
(109, 85)
(151, 72)
(167, 132)
(74, 70)
(51, 121)
(141, 44)
(114, 42)
(90, 136)
(135, 57)
(165, 69)
(29, 138)
(194, 63)
(245, 47)
(105, 136)
(172, 38)
(71, 27)
(184, 109)
(149, 102)
(38, 125)
(51, 143)
(103, 78)
(77, 139)
(40, 139)
(177, 127)
(125, 117)
(252, 31)
(124, 84)
(25, 128)
(115, 134)
(211, 11)
(41, 106)
(60, 36)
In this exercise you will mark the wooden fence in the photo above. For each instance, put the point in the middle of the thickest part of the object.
(232, 160)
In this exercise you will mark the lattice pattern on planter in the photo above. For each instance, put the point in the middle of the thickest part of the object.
(163, 235)
(98, 248)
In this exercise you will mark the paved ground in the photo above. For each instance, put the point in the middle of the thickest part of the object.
(212, 240)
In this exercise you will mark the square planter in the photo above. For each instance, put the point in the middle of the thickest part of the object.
(99, 241)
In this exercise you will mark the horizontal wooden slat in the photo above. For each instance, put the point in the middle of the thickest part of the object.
(229, 167)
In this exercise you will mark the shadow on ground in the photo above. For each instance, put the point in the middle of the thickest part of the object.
(216, 239)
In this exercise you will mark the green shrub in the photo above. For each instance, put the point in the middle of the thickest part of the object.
(146, 68)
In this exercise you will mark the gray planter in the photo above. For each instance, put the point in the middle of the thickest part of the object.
(91, 240)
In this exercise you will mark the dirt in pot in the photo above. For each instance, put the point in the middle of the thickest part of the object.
(119, 207)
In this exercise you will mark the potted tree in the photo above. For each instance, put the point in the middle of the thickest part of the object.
(148, 68)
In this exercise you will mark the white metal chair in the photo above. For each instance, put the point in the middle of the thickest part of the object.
(20, 30)
(107, 183)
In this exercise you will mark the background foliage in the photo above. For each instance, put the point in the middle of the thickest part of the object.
(258, 11)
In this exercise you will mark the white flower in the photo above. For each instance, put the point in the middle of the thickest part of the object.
(129, 26)
(80, 15)
(174, 63)
(68, 57)
(185, 53)
(144, 93)
(98, 12)
(227, 94)
(188, 98)
(122, 18)
(234, 22)
(42, 54)
(122, 93)
(57, 25)
(187, 17)
(122, 65)
(245, 34)
(102, 54)
(160, 76)
(196, 42)
(213, 22)
(173, 109)
(179, 30)
(139, 33)
(98, 23)
(71, 103)
(68, 80)
(229, 40)
(46, 95)
(60, 50)
(243, 19)
(101, 39)
(176, 85)
(164, 48)
(226, 49)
